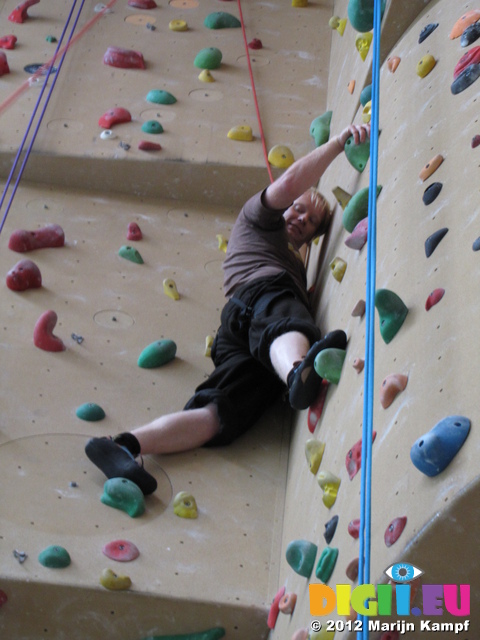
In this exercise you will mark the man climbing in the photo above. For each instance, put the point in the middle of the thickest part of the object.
(268, 339)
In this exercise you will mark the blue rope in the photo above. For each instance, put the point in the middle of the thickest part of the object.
(32, 117)
(367, 429)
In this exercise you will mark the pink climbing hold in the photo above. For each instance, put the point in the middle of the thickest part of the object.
(392, 385)
(394, 530)
(114, 116)
(475, 141)
(142, 4)
(359, 364)
(434, 298)
(4, 68)
(121, 551)
(24, 275)
(51, 235)
(8, 42)
(275, 609)
(255, 44)
(358, 237)
(316, 409)
(471, 57)
(287, 603)
(43, 336)
(134, 232)
(146, 145)
(353, 460)
(354, 528)
(123, 58)
(19, 14)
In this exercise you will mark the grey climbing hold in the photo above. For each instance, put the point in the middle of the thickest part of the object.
(465, 78)
(471, 33)
(431, 192)
(476, 244)
(426, 31)
(433, 241)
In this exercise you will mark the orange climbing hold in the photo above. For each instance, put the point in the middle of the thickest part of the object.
(392, 63)
(351, 86)
(431, 167)
(19, 14)
(287, 603)
(392, 385)
(43, 336)
(463, 22)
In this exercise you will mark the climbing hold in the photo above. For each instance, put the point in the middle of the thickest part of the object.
(316, 408)
(300, 556)
(210, 58)
(465, 79)
(19, 14)
(475, 141)
(133, 231)
(359, 364)
(471, 57)
(392, 63)
(366, 95)
(208, 346)
(352, 569)
(107, 134)
(431, 167)
(432, 241)
(362, 44)
(357, 154)
(314, 453)
(392, 312)
(43, 336)
(280, 156)
(51, 39)
(476, 244)
(170, 289)
(178, 25)
(434, 298)
(255, 44)
(328, 364)
(54, 557)
(358, 237)
(357, 208)
(24, 275)
(342, 196)
(121, 551)
(110, 580)
(51, 235)
(152, 126)
(159, 96)
(123, 58)
(130, 253)
(353, 460)
(330, 528)
(8, 42)
(426, 31)
(125, 495)
(114, 116)
(351, 87)
(185, 505)
(210, 634)
(275, 608)
(391, 386)
(221, 20)
(320, 128)
(90, 411)
(360, 14)
(287, 603)
(338, 268)
(222, 242)
(434, 451)
(431, 192)
(326, 564)
(463, 22)
(241, 132)
(299, 3)
(3, 598)
(206, 76)
(354, 528)
(142, 4)
(470, 35)
(394, 530)
(367, 113)
(338, 24)
(329, 483)
(146, 145)
(157, 354)
(425, 65)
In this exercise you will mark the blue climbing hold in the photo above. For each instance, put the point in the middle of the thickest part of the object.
(433, 241)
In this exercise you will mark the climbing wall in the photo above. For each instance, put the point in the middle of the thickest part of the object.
(427, 255)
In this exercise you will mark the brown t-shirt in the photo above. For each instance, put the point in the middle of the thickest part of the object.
(258, 247)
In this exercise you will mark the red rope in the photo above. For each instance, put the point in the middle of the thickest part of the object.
(252, 82)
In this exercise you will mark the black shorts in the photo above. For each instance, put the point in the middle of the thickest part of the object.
(244, 384)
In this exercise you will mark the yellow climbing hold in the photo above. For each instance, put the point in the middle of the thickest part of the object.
(184, 505)
(338, 268)
(367, 112)
(362, 44)
(329, 483)
(170, 289)
(208, 346)
(110, 580)
(178, 25)
(206, 76)
(241, 132)
(342, 196)
(425, 65)
(222, 242)
(280, 156)
(299, 3)
(314, 453)
(337, 23)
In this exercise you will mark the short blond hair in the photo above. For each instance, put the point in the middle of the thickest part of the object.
(320, 201)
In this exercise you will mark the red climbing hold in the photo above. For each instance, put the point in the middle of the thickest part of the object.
(134, 232)
(123, 58)
(475, 141)
(433, 298)
(394, 530)
(142, 4)
(24, 275)
(352, 569)
(255, 44)
(117, 115)
(471, 57)
(121, 551)
(353, 460)
(19, 14)
(43, 336)
(49, 236)
(354, 528)
(316, 409)
(4, 68)
(146, 145)
(8, 42)
(275, 608)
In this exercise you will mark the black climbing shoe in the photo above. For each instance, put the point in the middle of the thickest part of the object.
(115, 462)
(303, 381)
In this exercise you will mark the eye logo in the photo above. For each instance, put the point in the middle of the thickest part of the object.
(403, 572)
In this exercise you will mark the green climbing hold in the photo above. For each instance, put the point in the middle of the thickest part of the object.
(54, 557)
(157, 354)
(130, 253)
(320, 128)
(152, 126)
(123, 494)
(357, 208)
(328, 364)
(300, 556)
(360, 14)
(326, 564)
(159, 96)
(90, 411)
(357, 154)
(392, 312)
(366, 95)
(221, 20)
(209, 58)
(209, 634)
(51, 39)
